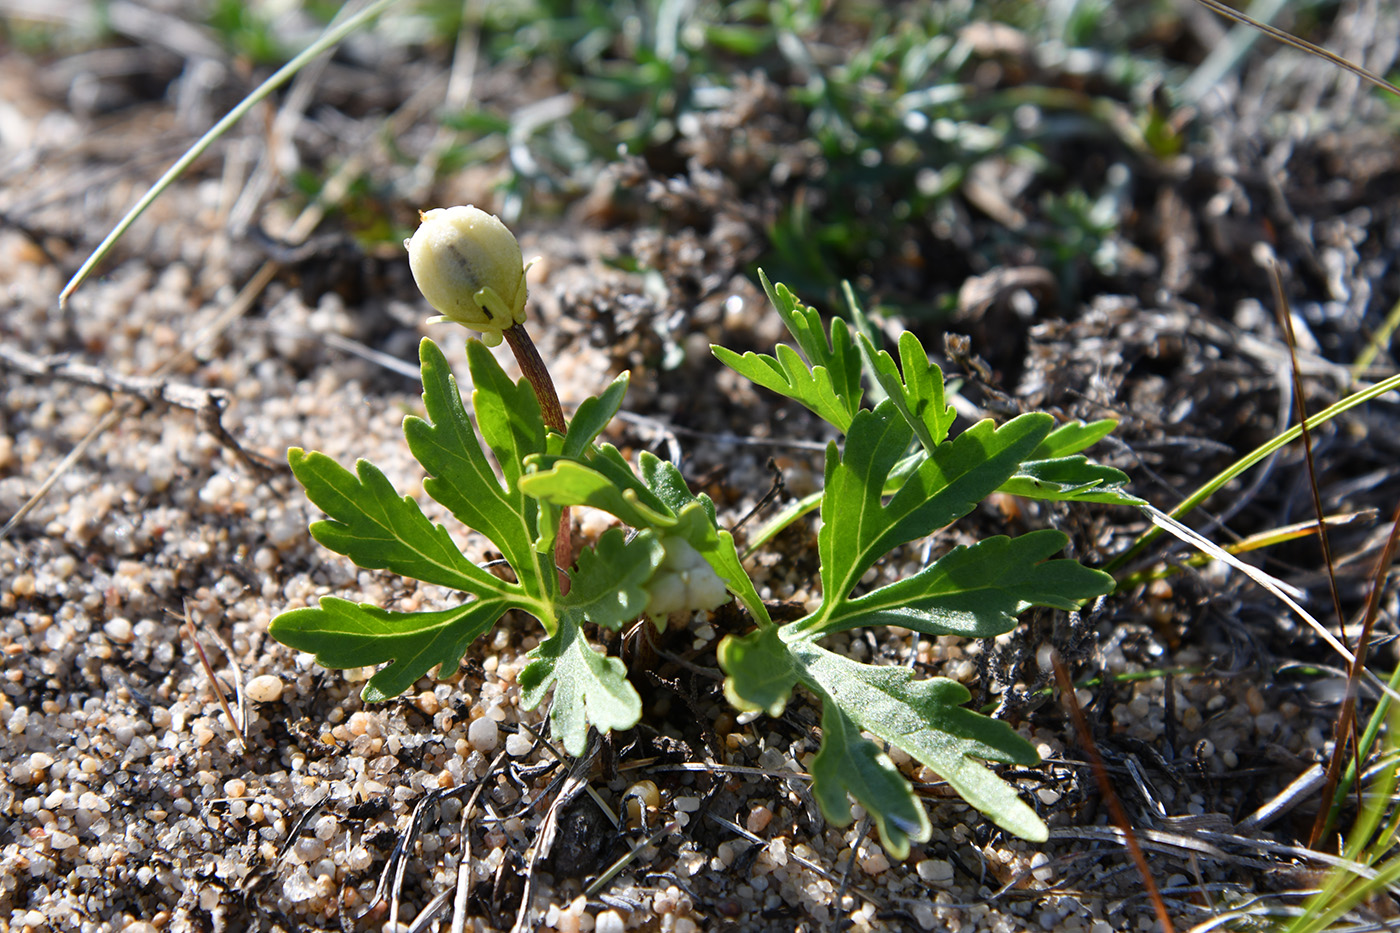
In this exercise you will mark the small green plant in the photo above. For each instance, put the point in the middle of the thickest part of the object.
(897, 477)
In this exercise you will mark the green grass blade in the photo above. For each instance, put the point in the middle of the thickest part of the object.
(1253, 457)
(331, 37)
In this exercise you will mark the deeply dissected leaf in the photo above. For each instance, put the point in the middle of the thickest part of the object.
(926, 720)
(461, 477)
(857, 529)
(977, 591)
(380, 530)
(827, 381)
(917, 393)
(344, 634)
(607, 587)
(589, 688)
(850, 764)
(787, 375)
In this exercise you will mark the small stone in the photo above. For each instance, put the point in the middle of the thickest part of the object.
(609, 921)
(61, 840)
(935, 871)
(758, 819)
(483, 734)
(265, 688)
(518, 743)
(119, 630)
(875, 862)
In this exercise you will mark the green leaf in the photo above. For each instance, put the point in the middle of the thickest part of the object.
(507, 414)
(1073, 479)
(827, 382)
(607, 587)
(759, 670)
(978, 591)
(790, 377)
(918, 393)
(696, 522)
(849, 763)
(593, 416)
(380, 530)
(1072, 437)
(569, 482)
(344, 634)
(589, 688)
(926, 720)
(805, 325)
(664, 479)
(857, 529)
(462, 479)
(606, 482)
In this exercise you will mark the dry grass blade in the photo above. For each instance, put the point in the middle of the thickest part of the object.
(1345, 727)
(235, 723)
(1120, 816)
(1326, 814)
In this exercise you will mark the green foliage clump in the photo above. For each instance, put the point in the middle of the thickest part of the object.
(899, 475)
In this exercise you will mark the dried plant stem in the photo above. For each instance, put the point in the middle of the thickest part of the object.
(1110, 797)
(533, 368)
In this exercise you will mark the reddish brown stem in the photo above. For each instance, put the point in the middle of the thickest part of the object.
(534, 370)
(538, 376)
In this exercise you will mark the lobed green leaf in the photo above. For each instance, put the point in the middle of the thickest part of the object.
(926, 720)
(857, 529)
(380, 530)
(589, 688)
(977, 591)
(759, 671)
(462, 479)
(608, 584)
(344, 634)
(827, 382)
(918, 393)
(571, 482)
(850, 764)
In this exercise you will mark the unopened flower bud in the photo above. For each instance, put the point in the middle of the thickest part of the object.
(685, 582)
(469, 267)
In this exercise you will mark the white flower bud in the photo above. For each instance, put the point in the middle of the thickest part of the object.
(469, 267)
(685, 582)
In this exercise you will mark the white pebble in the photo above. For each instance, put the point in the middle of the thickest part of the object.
(519, 743)
(935, 870)
(325, 828)
(483, 734)
(609, 921)
(265, 688)
(119, 630)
